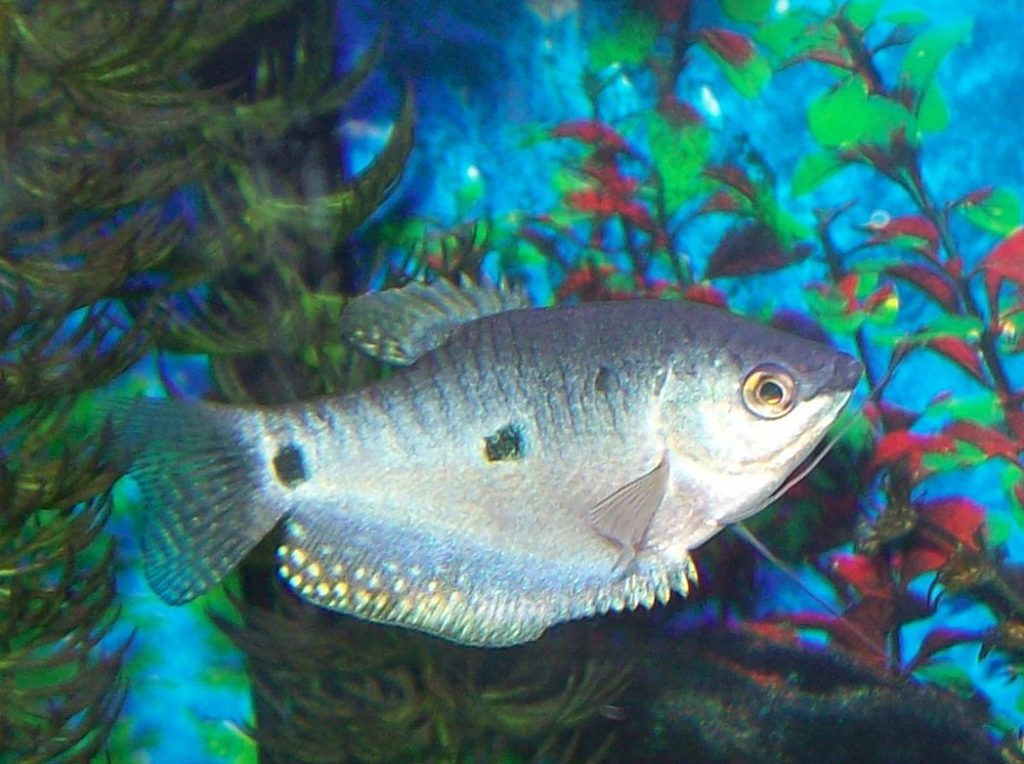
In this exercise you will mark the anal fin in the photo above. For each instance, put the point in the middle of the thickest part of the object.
(353, 558)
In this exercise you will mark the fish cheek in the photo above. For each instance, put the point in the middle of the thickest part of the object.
(289, 466)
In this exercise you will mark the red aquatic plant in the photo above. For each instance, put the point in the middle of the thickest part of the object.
(632, 191)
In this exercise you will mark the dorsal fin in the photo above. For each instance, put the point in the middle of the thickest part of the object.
(400, 325)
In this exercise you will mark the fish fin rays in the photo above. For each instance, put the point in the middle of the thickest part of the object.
(202, 507)
(625, 516)
(400, 325)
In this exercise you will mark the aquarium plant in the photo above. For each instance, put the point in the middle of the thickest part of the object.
(176, 187)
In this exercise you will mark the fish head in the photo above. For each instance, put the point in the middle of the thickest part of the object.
(744, 416)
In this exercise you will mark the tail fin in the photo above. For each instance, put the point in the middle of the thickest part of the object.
(202, 488)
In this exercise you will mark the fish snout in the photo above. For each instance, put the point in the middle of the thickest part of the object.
(846, 372)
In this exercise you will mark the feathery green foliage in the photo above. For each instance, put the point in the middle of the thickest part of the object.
(335, 689)
(134, 173)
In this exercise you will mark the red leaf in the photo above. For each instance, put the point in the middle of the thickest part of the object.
(974, 198)
(940, 639)
(1015, 420)
(915, 226)
(720, 201)
(922, 557)
(733, 176)
(1004, 263)
(678, 113)
(900, 444)
(865, 574)
(611, 179)
(869, 619)
(593, 132)
(931, 282)
(593, 200)
(707, 294)
(879, 297)
(669, 11)
(960, 352)
(897, 417)
(992, 442)
(753, 248)
(847, 287)
(637, 214)
(959, 519)
(943, 525)
(732, 46)
(772, 631)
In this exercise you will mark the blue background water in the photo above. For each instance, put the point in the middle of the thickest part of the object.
(487, 76)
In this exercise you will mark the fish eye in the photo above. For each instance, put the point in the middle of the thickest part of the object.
(769, 392)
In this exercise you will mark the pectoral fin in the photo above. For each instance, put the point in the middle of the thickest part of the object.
(625, 516)
(400, 325)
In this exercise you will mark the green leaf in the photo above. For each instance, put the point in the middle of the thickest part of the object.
(998, 528)
(932, 111)
(525, 255)
(781, 35)
(746, 11)
(862, 14)
(812, 170)
(850, 115)
(983, 409)
(778, 35)
(949, 325)
(928, 50)
(628, 46)
(907, 17)
(965, 456)
(679, 155)
(830, 311)
(949, 675)
(566, 181)
(999, 213)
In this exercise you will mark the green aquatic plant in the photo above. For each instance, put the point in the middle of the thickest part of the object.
(335, 689)
(133, 175)
(61, 692)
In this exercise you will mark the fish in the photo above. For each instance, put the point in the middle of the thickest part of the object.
(519, 468)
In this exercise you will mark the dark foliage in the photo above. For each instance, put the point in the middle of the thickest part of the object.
(135, 189)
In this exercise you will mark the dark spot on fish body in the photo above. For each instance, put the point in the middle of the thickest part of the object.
(289, 466)
(504, 444)
(607, 380)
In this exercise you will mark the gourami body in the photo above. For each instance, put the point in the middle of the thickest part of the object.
(526, 467)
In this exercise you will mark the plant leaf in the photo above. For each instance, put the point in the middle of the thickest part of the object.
(930, 280)
(814, 169)
(742, 65)
(680, 154)
(746, 11)
(850, 115)
(927, 51)
(1004, 263)
(628, 46)
(862, 13)
(996, 210)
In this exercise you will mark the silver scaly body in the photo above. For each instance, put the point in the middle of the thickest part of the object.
(528, 467)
